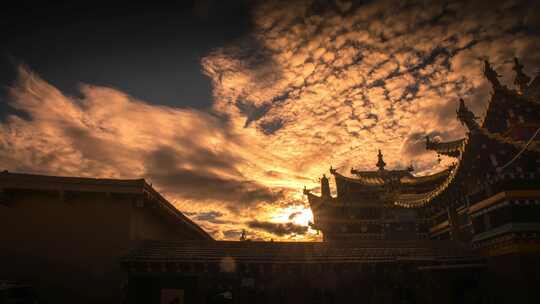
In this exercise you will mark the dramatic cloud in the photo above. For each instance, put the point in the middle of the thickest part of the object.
(208, 169)
(315, 84)
(279, 229)
(340, 80)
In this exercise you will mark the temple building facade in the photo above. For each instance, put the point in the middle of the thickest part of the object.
(487, 200)
(496, 163)
(364, 207)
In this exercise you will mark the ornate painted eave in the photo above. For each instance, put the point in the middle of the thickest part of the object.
(449, 148)
(418, 180)
(533, 145)
(404, 177)
(510, 106)
(410, 200)
(421, 199)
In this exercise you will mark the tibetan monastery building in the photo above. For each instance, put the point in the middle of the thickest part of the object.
(488, 200)
(467, 234)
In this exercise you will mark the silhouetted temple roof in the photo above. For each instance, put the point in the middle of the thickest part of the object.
(374, 180)
(491, 151)
(489, 139)
(533, 91)
(296, 252)
(449, 148)
(34, 182)
(436, 177)
(9, 180)
(410, 200)
(382, 174)
(403, 177)
(519, 144)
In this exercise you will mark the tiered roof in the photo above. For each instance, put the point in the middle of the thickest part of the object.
(448, 148)
(508, 138)
(381, 183)
(489, 151)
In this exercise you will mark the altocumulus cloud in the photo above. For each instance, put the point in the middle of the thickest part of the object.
(315, 84)
(343, 78)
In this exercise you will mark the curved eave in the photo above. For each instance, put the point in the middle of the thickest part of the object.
(315, 202)
(427, 179)
(449, 148)
(421, 199)
(365, 181)
(533, 146)
(382, 174)
(500, 102)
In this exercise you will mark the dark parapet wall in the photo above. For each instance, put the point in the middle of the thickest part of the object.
(63, 236)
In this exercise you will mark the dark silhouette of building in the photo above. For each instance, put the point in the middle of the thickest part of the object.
(487, 200)
(65, 235)
(364, 207)
(303, 272)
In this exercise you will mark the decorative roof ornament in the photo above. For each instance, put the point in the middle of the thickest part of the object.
(491, 75)
(430, 144)
(449, 148)
(325, 187)
(466, 116)
(332, 170)
(380, 162)
(522, 80)
(243, 236)
(410, 168)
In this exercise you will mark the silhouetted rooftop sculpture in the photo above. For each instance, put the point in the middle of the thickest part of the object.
(491, 75)
(522, 80)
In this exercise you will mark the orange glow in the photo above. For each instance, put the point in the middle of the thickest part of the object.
(302, 215)
(331, 91)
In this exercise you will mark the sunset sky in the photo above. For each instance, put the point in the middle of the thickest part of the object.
(230, 108)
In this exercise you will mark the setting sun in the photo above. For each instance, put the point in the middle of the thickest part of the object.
(298, 215)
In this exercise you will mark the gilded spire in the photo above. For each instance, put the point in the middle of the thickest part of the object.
(522, 80)
(380, 162)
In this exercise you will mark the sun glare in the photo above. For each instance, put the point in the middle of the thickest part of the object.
(298, 215)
